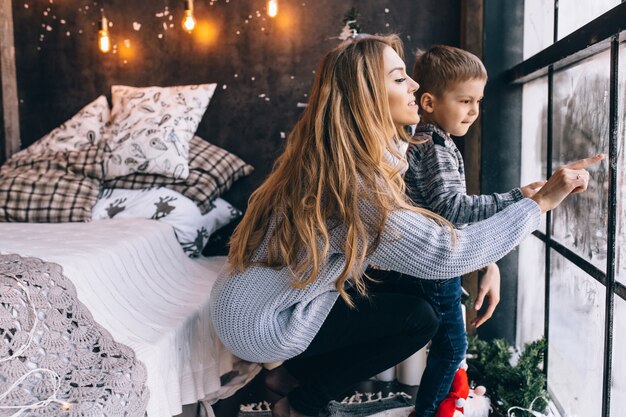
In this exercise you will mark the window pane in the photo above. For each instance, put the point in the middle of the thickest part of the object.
(530, 291)
(538, 26)
(621, 170)
(581, 129)
(576, 340)
(573, 14)
(535, 133)
(618, 373)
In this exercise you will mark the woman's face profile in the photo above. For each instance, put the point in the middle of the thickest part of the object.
(400, 90)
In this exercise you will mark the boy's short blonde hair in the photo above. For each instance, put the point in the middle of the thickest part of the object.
(441, 66)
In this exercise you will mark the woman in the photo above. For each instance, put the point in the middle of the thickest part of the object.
(333, 205)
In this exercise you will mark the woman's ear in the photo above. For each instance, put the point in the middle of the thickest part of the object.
(427, 102)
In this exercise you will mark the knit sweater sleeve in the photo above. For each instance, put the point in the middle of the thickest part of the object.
(415, 245)
(434, 181)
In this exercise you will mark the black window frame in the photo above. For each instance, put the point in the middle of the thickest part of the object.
(606, 32)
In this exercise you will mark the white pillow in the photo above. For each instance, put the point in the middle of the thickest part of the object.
(151, 128)
(192, 228)
(84, 129)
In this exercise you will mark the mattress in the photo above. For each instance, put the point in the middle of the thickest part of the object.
(137, 282)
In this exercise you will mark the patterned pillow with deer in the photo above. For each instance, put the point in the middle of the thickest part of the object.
(192, 228)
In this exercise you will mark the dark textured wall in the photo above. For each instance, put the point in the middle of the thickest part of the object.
(501, 146)
(263, 66)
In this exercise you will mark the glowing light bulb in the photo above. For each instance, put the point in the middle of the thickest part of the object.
(272, 8)
(104, 42)
(189, 22)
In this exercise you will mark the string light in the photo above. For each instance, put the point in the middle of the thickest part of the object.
(189, 22)
(272, 8)
(104, 42)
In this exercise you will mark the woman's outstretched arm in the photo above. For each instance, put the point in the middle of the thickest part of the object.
(415, 245)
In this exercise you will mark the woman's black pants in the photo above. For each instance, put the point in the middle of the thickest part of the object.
(354, 344)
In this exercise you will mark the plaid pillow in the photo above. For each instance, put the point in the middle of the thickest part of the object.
(54, 187)
(212, 171)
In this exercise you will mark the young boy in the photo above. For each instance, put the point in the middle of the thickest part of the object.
(452, 82)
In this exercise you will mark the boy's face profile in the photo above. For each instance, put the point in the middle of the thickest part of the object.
(457, 108)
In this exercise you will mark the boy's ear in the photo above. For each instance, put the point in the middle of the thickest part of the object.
(427, 102)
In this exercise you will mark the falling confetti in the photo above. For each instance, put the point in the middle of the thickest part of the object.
(262, 95)
(136, 26)
(26, 6)
(386, 10)
(282, 135)
(160, 36)
(224, 87)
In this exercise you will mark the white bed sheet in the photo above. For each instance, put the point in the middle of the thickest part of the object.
(136, 281)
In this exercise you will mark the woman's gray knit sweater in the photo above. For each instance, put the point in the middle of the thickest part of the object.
(260, 317)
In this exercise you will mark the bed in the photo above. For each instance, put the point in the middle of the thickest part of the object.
(119, 205)
(137, 283)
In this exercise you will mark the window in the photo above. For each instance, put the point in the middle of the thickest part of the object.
(572, 273)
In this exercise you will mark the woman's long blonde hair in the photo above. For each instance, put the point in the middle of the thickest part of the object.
(333, 161)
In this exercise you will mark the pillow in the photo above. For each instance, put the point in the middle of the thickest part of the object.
(58, 186)
(84, 129)
(151, 128)
(212, 171)
(192, 228)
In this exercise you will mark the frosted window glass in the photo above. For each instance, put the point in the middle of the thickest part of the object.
(581, 129)
(621, 171)
(534, 133)
(618, 373)
(576, 340)
(530, 291)
(574, 14)
(538, 26)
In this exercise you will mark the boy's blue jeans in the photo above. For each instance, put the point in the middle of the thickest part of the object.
(448, 346)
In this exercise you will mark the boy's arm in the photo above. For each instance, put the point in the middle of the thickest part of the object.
(436, 183)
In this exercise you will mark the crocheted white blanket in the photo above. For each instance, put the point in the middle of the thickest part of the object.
(137, 282)
(86, 370)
